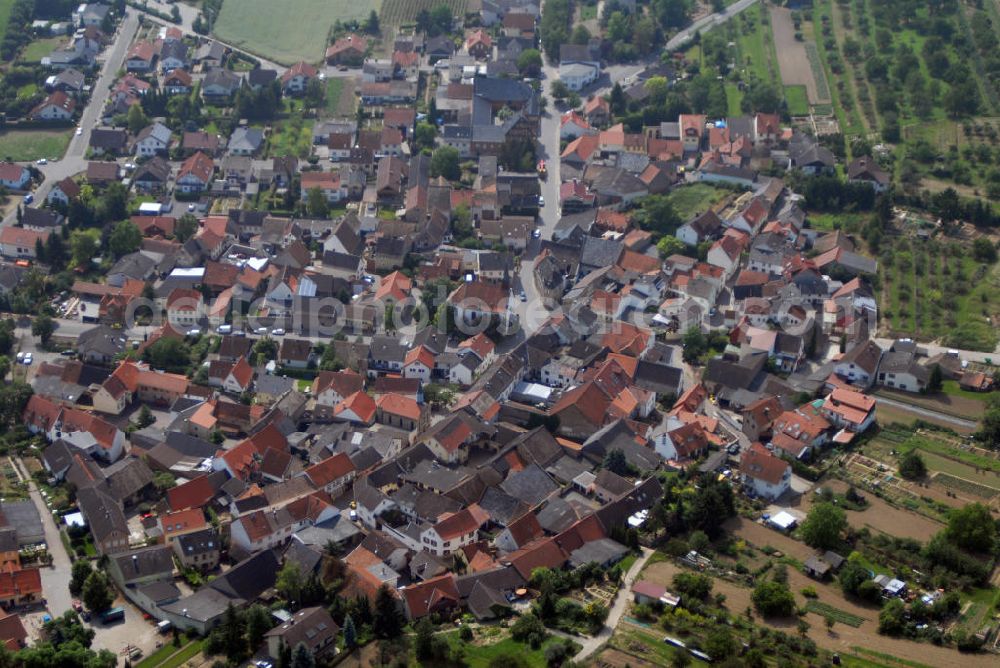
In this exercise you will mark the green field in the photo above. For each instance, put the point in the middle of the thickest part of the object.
(286, 31)
(797, 99)
(169, 656)
(25, 145)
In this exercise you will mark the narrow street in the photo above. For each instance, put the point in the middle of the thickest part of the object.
(622, 598)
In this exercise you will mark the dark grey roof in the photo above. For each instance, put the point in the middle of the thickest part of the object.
(530, 485)
(8, 539)
(504, 579)
(101, 340)
(103, 514)
(160, 593)
(134, 265)
(307, 557)
(249, 578)
(598, 252)
(155, 561)
(557, 515)
(659, 378)
(200, 542)
(35, 217)
(502, 508)
(387, 348)
(601, 551)
(566, 468)
(23, 516)
(127, 477)
(486, 602)
(108, 139)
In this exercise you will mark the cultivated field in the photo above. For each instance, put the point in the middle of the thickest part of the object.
(286, 31)
(797, 68)
(402, 12)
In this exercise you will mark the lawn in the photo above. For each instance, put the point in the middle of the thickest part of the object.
(286, 31)
(39, 48)
(828, 222)
(170, 657)
(479, 656)
(951, 388)
(798, 101)
(692, 200)
(334, 91)
(30, 145)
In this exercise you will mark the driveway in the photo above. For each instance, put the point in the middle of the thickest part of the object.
(55, 578)
(593, 643)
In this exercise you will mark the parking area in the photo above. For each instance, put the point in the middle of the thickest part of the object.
(132, 631)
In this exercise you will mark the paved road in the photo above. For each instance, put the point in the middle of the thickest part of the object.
(706, 23)
(55, 579)
(593, 643)
(73, 161)
(920, 411)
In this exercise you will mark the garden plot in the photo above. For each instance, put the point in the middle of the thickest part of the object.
(798, 60)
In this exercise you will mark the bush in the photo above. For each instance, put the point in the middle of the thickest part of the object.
(529, 629)
(465, 633)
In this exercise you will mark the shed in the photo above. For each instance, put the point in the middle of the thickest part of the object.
(782, 521)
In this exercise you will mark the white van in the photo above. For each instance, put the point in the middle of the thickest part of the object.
(225, 329)
(164, 626)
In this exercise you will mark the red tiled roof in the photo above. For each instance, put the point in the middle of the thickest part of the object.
(465, 521)
(540, 554)
(397, 404)
(330, 469)
(758, 463)
(20, 583)
(194, 493)
(359, 403)
(422, 598)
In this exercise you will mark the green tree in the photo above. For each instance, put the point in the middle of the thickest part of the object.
(97, 594)
(79, 573)
(316, 204)
(68, 629)
(972, 528)
(43, 327)
(892, 618)
(507, 661)
(446, 162)
(170, 354)
(823, 526)
(694, 343)
(350, 633)
(290, 581)
(615, 462)
(984, 250)
(773, 599)
(529, 63)
(424, 135)
(912, 466)
(670, 245)
(302, 657)
(258, 622)
(136, 119)
(423, 641)
(720, 644)
(83, 246)
(125, 238)
(185, 227)
(145, 417)
(372, 24)
(693, 585)
(387, 621)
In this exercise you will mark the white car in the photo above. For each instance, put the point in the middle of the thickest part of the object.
(28, 359)
(278, 332)
(194, 332)
(541, 200)
(261, 331)
(79, 131)
(536, 234)
(225, 329)
(41, 161)
(20, 357)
